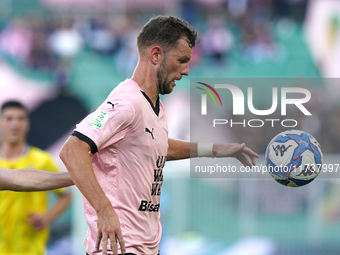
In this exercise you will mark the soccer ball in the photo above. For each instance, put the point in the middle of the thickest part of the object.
(294, 158)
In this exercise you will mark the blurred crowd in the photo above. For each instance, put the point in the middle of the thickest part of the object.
(46, 46)
(51, 43)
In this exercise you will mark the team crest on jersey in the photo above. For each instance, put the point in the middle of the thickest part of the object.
(99, 119)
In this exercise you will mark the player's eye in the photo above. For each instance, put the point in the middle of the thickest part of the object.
(184, 60)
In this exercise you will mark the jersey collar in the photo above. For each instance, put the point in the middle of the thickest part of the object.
(24, 151)
(155, 108)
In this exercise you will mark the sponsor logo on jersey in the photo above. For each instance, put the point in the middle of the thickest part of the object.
(147, 206)
(151, 132)
(99, 119)
(113, 105)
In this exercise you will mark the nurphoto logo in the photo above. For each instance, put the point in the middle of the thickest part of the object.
(297, 97)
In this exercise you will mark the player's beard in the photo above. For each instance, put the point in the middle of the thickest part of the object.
(164, 86)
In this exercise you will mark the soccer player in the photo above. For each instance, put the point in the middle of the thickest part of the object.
(24, 216)
(116, 155)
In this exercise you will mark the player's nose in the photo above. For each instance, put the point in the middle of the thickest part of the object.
(185, 70)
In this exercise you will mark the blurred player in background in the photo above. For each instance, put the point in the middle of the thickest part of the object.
(127, 138)
(24, 217)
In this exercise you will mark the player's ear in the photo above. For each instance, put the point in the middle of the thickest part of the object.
(156, 55)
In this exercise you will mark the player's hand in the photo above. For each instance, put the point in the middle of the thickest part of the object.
(236, 150)
(109, 228)
(37, 221)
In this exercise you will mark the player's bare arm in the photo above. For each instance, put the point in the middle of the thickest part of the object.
(182, 149)
(32, 180)
(75, 155)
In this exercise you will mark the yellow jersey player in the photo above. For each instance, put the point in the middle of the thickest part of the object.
(24, 216)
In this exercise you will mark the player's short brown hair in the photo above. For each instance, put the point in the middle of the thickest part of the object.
(166, 31)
